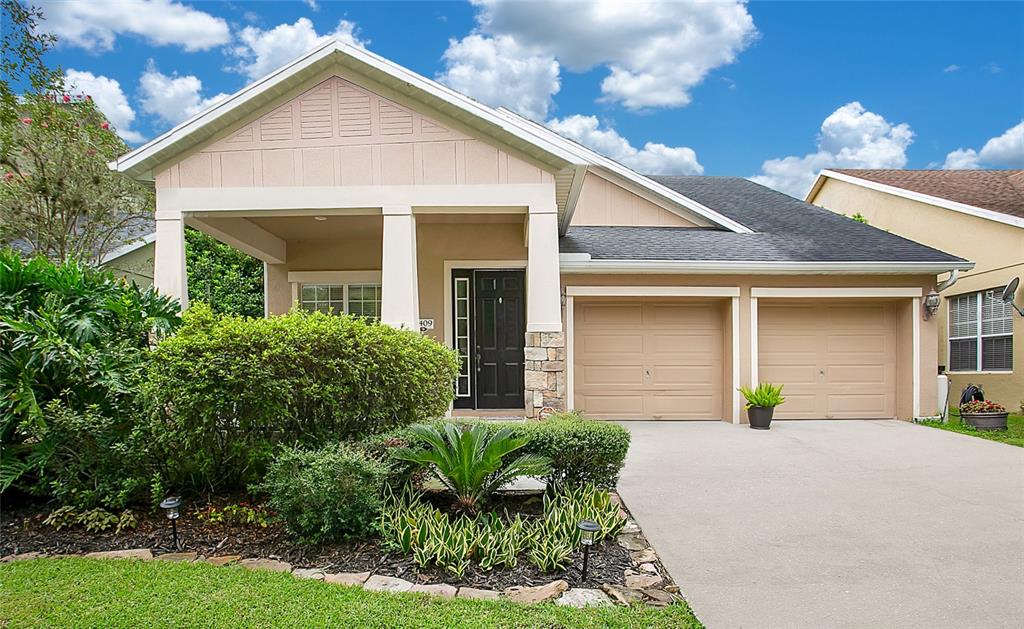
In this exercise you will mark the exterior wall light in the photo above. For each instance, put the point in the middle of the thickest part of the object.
(589, 530)
(931, 304)
(171, 505)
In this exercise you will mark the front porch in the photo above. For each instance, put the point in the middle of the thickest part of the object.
(480, 278)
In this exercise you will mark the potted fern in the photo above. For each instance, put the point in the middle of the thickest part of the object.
(761, 403)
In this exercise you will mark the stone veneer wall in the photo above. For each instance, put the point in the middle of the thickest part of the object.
(545, 372)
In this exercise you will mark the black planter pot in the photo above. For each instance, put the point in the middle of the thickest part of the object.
(760, 417)
(985, 421)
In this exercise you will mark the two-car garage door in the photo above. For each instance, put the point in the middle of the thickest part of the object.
(648, 358)
(657, 358)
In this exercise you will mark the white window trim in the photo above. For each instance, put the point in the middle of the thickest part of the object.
(978, 336)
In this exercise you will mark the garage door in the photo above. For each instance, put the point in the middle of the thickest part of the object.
(641, 359)
(836, 360)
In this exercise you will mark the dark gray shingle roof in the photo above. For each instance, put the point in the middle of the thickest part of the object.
(786, 230)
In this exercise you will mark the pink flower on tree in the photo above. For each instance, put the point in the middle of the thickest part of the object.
(67, 99)
(27, 120)
(105, 125)
(8, 175)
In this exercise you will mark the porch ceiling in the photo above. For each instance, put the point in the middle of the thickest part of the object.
(333, 227)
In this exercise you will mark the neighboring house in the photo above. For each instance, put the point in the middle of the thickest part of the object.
(133, 261)
(563, 278)
(975, 214)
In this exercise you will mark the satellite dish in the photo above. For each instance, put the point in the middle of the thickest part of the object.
(1011, 290)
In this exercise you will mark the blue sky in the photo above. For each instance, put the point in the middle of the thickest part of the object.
(770, 90)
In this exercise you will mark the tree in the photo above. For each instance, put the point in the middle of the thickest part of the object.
(230, 281)
(57, 196)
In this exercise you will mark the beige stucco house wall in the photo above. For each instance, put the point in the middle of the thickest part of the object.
(996, 248)
(345, 171)
(134, 262)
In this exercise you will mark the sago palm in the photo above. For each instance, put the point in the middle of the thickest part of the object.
(468, 460)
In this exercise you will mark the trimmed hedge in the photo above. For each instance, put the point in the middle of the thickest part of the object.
(582, 451)
(324, 495)
(226, 390)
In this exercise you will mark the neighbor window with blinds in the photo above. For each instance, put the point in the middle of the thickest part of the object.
(361, 300)
(980, 332)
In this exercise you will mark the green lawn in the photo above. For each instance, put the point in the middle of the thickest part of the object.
(126, 593)
(1013, 435)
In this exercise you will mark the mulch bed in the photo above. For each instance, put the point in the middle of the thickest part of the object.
(22, 530)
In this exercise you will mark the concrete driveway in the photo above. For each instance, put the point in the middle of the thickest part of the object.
(833, 524)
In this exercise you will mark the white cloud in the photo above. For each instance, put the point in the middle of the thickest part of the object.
(951, 68)
(109, 99)
(172, 98)
(262, 51)
(652, 159)
(1006, 150)
(498, 72)
(313, 5)
(850, 137)
(96, 24)
(655, 52)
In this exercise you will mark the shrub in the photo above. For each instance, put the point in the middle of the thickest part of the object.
(327, 494)
(73, 348)
(226, 389)
(581, 451)
(470, 460)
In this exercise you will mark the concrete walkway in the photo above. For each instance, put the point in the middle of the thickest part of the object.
(833, 524)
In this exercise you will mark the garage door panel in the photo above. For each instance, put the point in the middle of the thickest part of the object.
(611, 344)
(683, 375)
(618, 315)
(655, 359)
(835, 360)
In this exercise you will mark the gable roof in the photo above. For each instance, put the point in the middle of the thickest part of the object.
(996, 195)
(790, 235)
(568, 159)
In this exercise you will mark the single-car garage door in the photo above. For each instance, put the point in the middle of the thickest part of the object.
(837, 360)
(648, 359)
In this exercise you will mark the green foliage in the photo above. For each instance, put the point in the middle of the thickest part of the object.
(765, 395)
(230, 281)
(412, 526)
(21, 65)
(226, 390)
(860, 218)
(469, 460)
(325, 495)
(241, 515)
(580, 451)
(93, 520)
(73, 346)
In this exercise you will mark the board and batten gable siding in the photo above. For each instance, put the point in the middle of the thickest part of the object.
(603, 202)
(339, 134)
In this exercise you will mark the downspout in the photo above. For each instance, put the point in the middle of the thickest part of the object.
(954, 275)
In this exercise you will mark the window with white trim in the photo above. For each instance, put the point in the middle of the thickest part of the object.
(980, 332)
(361, 300)
(462, 383)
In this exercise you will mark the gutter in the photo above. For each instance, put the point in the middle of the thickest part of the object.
(583, 263)
(954, 275)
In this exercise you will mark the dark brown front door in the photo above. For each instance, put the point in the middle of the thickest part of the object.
(497, 337)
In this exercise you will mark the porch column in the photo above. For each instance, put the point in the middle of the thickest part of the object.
(169, 275)
(400, 300)
(543, 297)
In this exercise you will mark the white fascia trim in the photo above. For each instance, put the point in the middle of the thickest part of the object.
(653, 291)
(577, 264)
(963, 208)
(836, 293)
(334, 277)
(594, 158)
(128, 248)
(245, 97)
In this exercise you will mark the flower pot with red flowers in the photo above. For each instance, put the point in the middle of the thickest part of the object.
(984, 415)
(761, 403)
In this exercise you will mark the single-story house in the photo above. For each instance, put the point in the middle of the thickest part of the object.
(563, 278)
(975, 214)
(133, 260)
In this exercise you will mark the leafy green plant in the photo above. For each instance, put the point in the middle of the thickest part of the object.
(550, 551)
(93, 520)
(469, 460)
(226, 391)
(327, 494)
(73, 349)
(765, 395)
